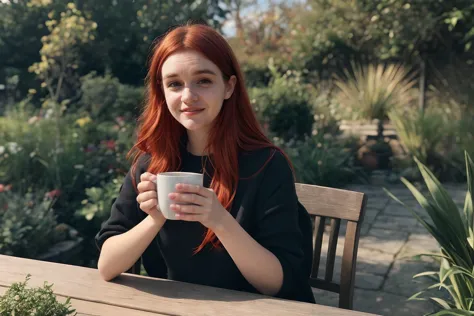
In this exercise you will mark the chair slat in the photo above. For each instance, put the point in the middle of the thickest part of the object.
(318, 243)
(348, 265)
(332, 247)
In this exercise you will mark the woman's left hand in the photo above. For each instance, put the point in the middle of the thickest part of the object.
(206, 207)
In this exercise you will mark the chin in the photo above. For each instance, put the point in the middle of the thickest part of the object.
(192, 126)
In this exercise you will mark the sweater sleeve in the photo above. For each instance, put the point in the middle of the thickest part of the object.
(278, 228)
(124, 214)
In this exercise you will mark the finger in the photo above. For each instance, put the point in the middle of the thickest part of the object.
(146, 186)
(188, 198)
(147, 176)
(147, 206)
(192, 188)
(145, 196)
(189, 217)
(189, 209)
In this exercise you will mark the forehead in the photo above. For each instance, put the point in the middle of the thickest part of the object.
(184, 62)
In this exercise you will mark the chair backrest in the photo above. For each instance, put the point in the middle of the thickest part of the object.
(335, 205)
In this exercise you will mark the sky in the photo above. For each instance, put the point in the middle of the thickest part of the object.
(262, 5)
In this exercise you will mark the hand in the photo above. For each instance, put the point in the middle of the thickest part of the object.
(148, 197)
(206, 208)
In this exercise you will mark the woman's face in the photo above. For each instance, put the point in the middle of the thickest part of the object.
(194, 89)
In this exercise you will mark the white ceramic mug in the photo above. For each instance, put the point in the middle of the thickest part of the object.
(166, 184)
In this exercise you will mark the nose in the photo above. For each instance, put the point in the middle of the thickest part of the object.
(188, 96)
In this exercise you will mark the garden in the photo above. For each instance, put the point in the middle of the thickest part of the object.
(72, 86)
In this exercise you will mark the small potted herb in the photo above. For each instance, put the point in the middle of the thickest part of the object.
(40, 301)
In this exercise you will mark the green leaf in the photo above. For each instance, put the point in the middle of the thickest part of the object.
(441, 302)
(441, 196)
(427, 273)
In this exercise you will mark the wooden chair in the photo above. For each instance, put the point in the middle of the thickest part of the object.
(328, 203)
(335, 204)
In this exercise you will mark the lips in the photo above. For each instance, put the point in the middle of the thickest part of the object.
(191, 110)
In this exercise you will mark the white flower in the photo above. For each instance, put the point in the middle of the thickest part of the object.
(49, 113)
(13, 147)
(2, 150)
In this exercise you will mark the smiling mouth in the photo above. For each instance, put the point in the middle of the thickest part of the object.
(192, 110)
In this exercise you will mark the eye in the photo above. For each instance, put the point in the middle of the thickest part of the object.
(204, 81)
(173, 84)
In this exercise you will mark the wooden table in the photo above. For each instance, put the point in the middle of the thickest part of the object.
(133, 295)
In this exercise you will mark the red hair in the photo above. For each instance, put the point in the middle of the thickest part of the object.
(235, 129)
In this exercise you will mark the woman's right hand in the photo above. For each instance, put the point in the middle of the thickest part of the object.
(148, 197)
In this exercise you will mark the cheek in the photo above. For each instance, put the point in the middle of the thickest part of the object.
(173, 101)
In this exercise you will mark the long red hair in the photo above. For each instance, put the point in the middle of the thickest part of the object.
(235, 129)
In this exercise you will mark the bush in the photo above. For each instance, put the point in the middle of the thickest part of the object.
(99, 201)
(105, 98)
(27, 224)
(322, 160)
(285, 106)
(39, 301)
(27, 152)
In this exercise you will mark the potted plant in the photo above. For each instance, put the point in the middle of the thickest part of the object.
(371, 93)
(40, 301)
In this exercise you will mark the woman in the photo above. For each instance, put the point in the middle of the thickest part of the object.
(246, 229)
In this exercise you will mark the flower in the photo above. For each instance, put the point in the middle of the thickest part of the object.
(13, 147)
(33, 119)
(2, 150)
(83, 121)
(2, 188)
(53, 194)
(110, 144)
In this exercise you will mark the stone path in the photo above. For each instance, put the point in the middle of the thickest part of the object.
(390, 237)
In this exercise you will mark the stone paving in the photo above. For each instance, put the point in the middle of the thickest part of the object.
(390, 237)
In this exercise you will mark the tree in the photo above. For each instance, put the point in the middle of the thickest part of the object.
(59, 55)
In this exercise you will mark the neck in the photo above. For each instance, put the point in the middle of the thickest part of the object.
(197, 142)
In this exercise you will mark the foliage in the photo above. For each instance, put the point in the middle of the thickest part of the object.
(29, 148)
(59, 51)
(328, 33)
(285, 105)
(421, 132)
(105, 98)
(40, 301)
(27, 224)
(371, 92)
(453, 229)
(99, 201)
(321, 160)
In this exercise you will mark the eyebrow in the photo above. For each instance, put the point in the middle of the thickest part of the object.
(198, 72)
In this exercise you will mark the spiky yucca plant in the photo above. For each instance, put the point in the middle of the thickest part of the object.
(420, 132)
(453, 229)
(372, 91)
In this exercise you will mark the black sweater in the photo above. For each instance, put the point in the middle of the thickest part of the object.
(265, 205)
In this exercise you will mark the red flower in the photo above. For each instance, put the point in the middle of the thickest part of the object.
(53, 194)
(110, 144)
(2, 188)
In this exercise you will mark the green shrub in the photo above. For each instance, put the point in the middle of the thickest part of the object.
(322, 161)
(285, 105)
(27, 157)
(40, 301)
(105, 98)
(99, 201)
(373, 91)
(453, 229)
(27, 224)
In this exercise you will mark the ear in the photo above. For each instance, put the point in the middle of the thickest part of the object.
(230, 85)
